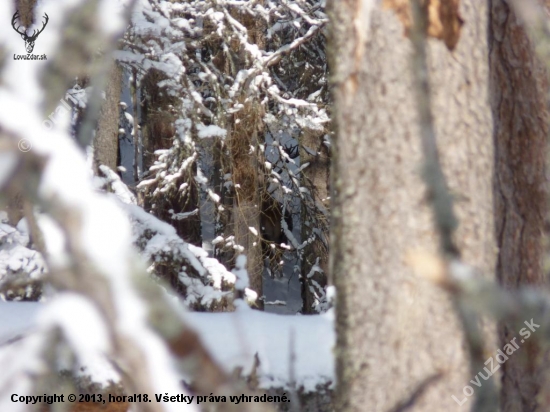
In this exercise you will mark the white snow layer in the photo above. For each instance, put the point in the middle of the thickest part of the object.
(211, 131)
(232, 338)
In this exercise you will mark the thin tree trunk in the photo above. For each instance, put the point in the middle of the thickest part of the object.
(315, 256)
(106, 137)
(399, 338)
(225, 212)
(247, 132)
(519, 98)
(135, 125)
(246, 210)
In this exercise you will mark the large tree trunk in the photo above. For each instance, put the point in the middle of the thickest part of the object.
(519, 99)
(397, 330)
(106, 137)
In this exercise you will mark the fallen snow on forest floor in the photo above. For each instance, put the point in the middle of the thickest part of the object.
(289, 348)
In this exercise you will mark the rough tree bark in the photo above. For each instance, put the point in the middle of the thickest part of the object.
(519, 89)
(106, 137)
(396, 330)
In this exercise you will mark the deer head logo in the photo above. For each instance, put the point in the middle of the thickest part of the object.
(29, 40)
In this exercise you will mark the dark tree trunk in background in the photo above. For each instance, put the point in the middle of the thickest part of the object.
(158, 130)
(106, 137)
(316, 178)
(395, 329)
(135, 127)
(224, 212)
(519, 98)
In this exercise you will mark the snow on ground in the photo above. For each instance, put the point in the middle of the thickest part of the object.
(233, 338)
(16, 319)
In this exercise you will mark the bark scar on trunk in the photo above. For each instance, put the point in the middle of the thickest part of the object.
(444, 20)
